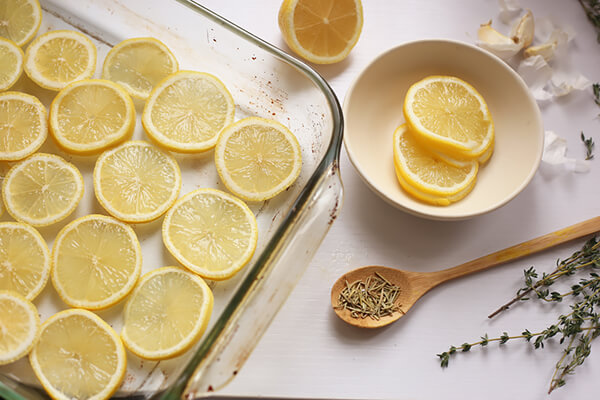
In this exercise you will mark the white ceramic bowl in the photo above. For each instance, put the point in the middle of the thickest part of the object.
(373, 110)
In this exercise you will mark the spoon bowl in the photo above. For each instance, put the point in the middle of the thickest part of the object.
(413, 285)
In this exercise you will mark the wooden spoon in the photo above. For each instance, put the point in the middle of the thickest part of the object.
(415, 284)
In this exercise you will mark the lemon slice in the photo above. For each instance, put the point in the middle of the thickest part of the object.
(24, 259)
(19, 326)
(96, 261)
(11, 63)
(210, 232)
(450, 116)
(23, 125)
(42, 189)
(4, 167)
(91, 115)
(166, 314)
(427, 173)
(20, 20)
(257, 158)
(78, 356)
(136, 182)
(138, 65)
(186, 111)
(57, 58)
(432, 198)
(321, 31)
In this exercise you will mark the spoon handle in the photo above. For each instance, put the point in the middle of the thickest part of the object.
(520, 250)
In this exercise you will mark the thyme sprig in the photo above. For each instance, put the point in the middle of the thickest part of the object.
(592, 10)
(596, 91)
(577, 328)
(589, 146)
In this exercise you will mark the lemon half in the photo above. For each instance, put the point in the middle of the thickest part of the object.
(321, 31)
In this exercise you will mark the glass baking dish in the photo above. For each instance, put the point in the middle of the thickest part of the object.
(264, 81)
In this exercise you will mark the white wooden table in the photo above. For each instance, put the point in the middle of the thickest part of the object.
(308, 352)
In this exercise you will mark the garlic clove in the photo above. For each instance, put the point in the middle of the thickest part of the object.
(522, 32)
(489, 35)
(545, 50)
(558, 39)
(497, 43)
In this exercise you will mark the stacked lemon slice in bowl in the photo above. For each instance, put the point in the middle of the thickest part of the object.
(449, 132)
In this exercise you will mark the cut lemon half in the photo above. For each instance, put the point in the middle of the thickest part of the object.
(136, 182)
(449, 115)
(20, 20)
(186, 111)
(138, 65)
(57, 58)
(427, 173)
(91, 115)
(19, 326)
(166, 314)
(42, 189)
(321, 31)
(211, 233)
(96, 261)
(257, 158)
(11, 63)
(24, 259)
(78, 356)
(23, 125)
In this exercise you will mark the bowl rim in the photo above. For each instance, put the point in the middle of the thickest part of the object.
(433, 216)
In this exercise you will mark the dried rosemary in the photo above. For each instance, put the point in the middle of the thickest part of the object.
(575, 329)
(589, 146)
(375, 297)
